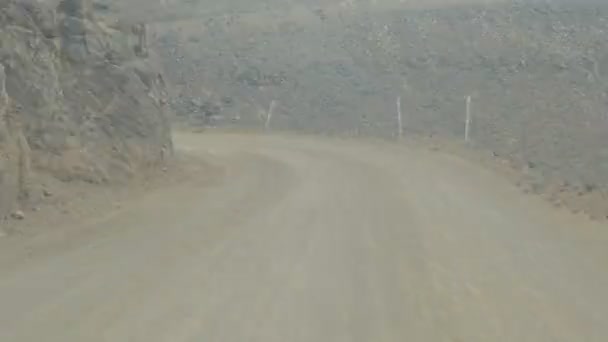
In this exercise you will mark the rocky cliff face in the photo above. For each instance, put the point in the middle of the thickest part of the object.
(80, 98)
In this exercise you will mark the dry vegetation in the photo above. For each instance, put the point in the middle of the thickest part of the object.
(536, 72)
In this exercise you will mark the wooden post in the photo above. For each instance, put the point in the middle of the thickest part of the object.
(467, 125)
(399, 119)
(269, 114)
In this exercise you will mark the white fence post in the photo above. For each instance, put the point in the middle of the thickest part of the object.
(269, 114)
(399, 118)
(467, 125)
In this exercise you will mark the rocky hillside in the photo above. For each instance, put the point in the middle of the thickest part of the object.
(80, 98)
(536, 72)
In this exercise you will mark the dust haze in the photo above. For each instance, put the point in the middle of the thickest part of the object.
(297, 171)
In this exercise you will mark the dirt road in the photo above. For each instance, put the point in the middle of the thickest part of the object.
(306, 239)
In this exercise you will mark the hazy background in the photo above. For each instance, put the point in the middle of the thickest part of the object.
(536, 72)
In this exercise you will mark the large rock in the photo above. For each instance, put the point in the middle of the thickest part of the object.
(77, 98)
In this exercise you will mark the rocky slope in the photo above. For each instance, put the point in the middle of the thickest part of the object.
(80, 98)
(536, 72)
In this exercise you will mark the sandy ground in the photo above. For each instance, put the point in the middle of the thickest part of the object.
(313, 239)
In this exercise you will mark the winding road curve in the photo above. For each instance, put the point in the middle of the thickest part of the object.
(309, 239)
